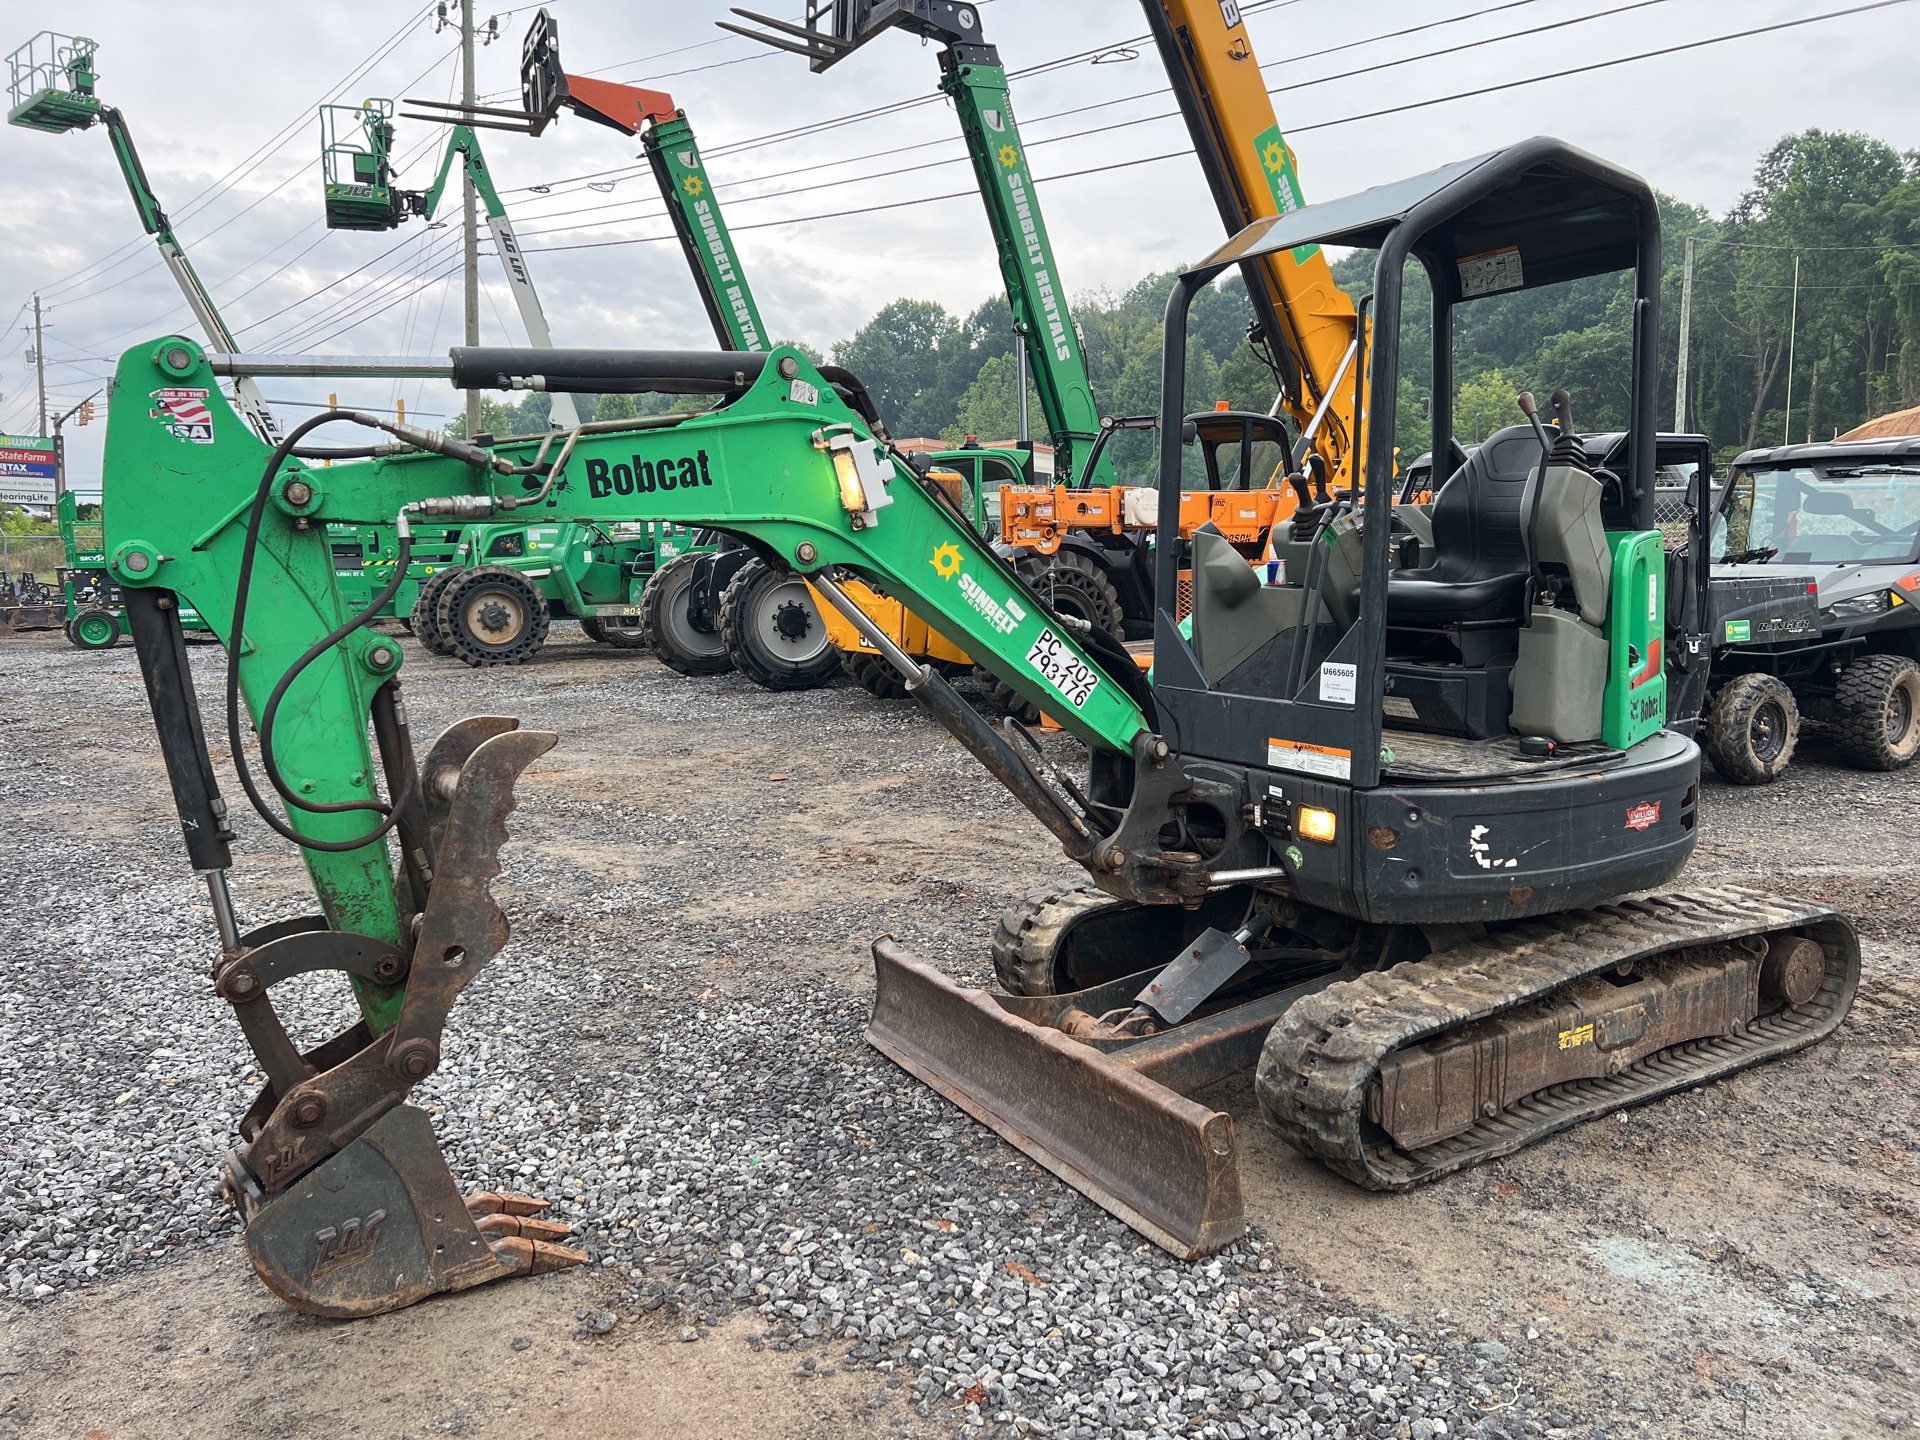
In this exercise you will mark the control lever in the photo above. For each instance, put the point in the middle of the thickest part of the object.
(1531, 410)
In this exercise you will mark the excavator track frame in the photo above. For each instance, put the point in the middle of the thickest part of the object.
(1321, 1058)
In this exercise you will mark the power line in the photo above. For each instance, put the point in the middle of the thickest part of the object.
(304, 228)
(1301, 129)
(778, 137)
(253, 160)
(1674, 49)
(1126, 124)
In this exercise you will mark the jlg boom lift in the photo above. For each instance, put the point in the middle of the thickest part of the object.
(51, 85)
(1413, 932)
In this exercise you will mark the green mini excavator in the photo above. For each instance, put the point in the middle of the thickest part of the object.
(1364, 830)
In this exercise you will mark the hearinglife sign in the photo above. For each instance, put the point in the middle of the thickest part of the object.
(29, 470)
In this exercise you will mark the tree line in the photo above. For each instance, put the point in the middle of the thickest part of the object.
(1841, 344)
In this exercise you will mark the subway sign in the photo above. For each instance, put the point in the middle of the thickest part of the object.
(29, 469)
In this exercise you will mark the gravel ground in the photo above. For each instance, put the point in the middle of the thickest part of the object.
(671, 1049)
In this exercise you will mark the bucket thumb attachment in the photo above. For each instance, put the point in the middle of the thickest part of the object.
(1162, 1163)
(349, 1206)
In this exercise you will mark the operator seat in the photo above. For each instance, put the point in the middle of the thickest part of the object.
(1479, 572)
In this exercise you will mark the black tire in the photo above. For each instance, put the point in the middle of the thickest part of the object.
(1752, 726)
(1876, 712)
(590, 627)
(423, 619)
(622, 632)
(1004, 699)
(93, 628)
(491, 615)
(874, 675)
(773, 631)
(670, 630)
(1073, 585)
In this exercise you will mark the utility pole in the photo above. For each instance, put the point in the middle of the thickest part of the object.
(40, 363)
(1686, 328)
(469, 217)
(1793, 327)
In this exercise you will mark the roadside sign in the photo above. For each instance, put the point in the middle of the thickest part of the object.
(29, 469)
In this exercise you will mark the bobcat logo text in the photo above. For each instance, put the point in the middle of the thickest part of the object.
(643, 477)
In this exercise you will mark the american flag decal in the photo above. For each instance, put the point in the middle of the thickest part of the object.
(183, 410)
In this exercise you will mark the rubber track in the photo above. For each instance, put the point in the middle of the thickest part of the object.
(1324, 1052)
(1027, 935)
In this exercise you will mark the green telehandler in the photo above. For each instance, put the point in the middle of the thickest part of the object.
(1412, 931)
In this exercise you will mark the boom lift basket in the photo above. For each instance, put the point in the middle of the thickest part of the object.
(359, 177)
(50, 86)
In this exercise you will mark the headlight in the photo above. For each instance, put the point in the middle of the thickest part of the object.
(1313, 823)
(1859, 607)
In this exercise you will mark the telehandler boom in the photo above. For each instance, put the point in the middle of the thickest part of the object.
(971, 76)
(1409, 923)
(1305, 327)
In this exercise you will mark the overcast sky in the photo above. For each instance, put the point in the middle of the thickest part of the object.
(223, 102)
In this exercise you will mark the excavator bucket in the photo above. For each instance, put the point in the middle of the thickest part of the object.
(412, 1234)
(1097, 1118)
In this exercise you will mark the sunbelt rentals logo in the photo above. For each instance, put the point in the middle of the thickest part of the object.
(1002, 615)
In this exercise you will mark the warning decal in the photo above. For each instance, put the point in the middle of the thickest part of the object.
(1310, 759)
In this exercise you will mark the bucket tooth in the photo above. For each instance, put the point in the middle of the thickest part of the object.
(1162, 1163)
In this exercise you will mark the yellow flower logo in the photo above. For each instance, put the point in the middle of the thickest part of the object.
(1274, 157)
(946, 560)
(1009, 156)
(694, 185)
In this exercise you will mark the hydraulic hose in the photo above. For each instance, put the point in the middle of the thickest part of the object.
(242, 587)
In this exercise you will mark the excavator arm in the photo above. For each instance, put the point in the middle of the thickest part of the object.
(206, 516)
(781, 463)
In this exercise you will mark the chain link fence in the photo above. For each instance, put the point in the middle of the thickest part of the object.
(31, 556)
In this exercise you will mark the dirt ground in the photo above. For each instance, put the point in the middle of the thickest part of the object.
(204, 1351)
(1737, 1260)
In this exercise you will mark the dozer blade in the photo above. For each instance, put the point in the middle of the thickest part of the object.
(381, 1225)
(1162, 1163)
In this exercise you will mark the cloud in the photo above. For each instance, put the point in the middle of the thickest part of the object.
(203, 98)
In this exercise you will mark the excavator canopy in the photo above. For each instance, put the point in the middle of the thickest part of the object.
(1536, 213)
